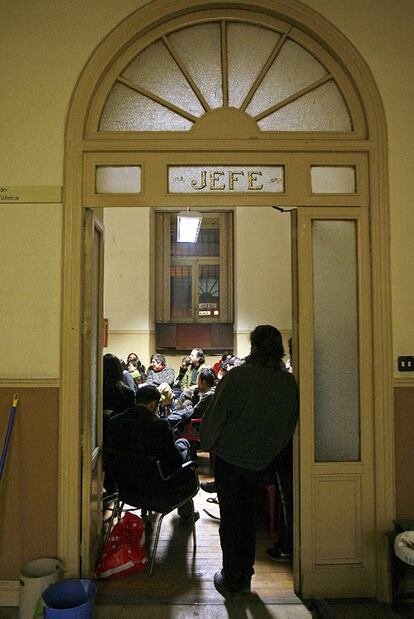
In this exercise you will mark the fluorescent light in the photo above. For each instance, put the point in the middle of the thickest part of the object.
(188, 226)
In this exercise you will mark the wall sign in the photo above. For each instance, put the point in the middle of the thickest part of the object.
(226, 179)
(30, 194)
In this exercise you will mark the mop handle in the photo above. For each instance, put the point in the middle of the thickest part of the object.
(8, 433)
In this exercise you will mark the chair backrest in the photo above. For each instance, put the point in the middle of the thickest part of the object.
(142, 483)
(141, 473)
(192, 431)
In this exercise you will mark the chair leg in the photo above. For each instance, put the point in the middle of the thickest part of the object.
(110, 522)
(154, 549)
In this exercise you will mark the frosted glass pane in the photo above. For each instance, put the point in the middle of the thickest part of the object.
(226, 179)
(336, 356)
(333, 179)
(323, 109)
(118, 179)
(155, 70)
(127, 110)
(199, 48)
(293, 69)
(248, 49)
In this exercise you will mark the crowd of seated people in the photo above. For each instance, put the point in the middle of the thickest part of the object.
(192, 389)
(135, 401)
(180, 399)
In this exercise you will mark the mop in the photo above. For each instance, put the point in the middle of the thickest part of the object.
(8, 433)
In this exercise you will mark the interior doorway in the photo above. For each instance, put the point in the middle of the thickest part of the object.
(262, 295)
(331, 166)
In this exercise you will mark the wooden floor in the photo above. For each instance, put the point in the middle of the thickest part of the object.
(181, 577)
(181, 586)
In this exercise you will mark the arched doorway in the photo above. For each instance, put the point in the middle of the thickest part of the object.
(175, 99)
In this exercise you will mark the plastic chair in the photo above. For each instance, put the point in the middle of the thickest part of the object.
(151, 491)
(192, 434)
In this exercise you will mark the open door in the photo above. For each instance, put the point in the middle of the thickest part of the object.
(335, 514)
(92, 345)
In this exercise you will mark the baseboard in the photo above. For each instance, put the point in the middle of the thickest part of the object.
(9, 592)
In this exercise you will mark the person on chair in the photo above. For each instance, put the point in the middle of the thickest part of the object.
(189, 380)
(196, 406)
(161, 377)
(139, 431)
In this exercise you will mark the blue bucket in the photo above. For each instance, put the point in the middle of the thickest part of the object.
(70, 598)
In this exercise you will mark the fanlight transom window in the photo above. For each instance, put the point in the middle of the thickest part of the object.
(264, 73)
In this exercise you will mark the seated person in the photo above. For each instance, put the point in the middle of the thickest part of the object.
(229, 364)
(117, 396)
(127, 376)
(218, 365)
(196, 405)
(184, 365)
(137, 371)
(161, 377)
(159, 372)
(189, 380)
(138, 430)
(132, 356)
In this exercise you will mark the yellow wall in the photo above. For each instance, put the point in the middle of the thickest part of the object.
(47, 44)
(128, 284)
(44, 46)
(30, 284)
(262, 268)
(383, 33)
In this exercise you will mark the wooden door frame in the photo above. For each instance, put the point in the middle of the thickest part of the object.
(376, 149)
(92, 455)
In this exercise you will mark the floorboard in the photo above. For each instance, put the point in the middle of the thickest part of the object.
(181, 577)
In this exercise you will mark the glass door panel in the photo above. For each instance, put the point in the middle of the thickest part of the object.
(335, 340)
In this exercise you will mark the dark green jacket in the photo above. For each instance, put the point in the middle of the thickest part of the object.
(252, 416)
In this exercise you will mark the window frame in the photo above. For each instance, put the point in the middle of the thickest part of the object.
(164, 260)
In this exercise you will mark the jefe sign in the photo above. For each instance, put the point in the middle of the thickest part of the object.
(226, 179)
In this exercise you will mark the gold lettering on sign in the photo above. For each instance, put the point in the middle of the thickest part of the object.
(252, 179)
(233, 177)
(219, 180)
(203, 181)
(214, 179)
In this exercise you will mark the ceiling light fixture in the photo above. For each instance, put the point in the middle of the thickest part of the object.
(188, 226)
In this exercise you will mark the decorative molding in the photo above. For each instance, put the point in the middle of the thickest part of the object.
(9, 592)
(30, 194)
(403, 381)
(30, 383)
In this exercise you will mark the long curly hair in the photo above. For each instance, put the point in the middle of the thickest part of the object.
(266, 347)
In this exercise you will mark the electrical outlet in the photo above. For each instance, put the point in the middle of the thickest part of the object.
(406, 363)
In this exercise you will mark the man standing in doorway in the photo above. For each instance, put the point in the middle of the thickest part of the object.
(252, 417)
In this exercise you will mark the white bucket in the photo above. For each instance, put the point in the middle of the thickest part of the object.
(35, 576)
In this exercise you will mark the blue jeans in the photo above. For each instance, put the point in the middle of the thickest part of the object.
(236, 490)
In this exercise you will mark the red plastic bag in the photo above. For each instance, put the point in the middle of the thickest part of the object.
(125, 550)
